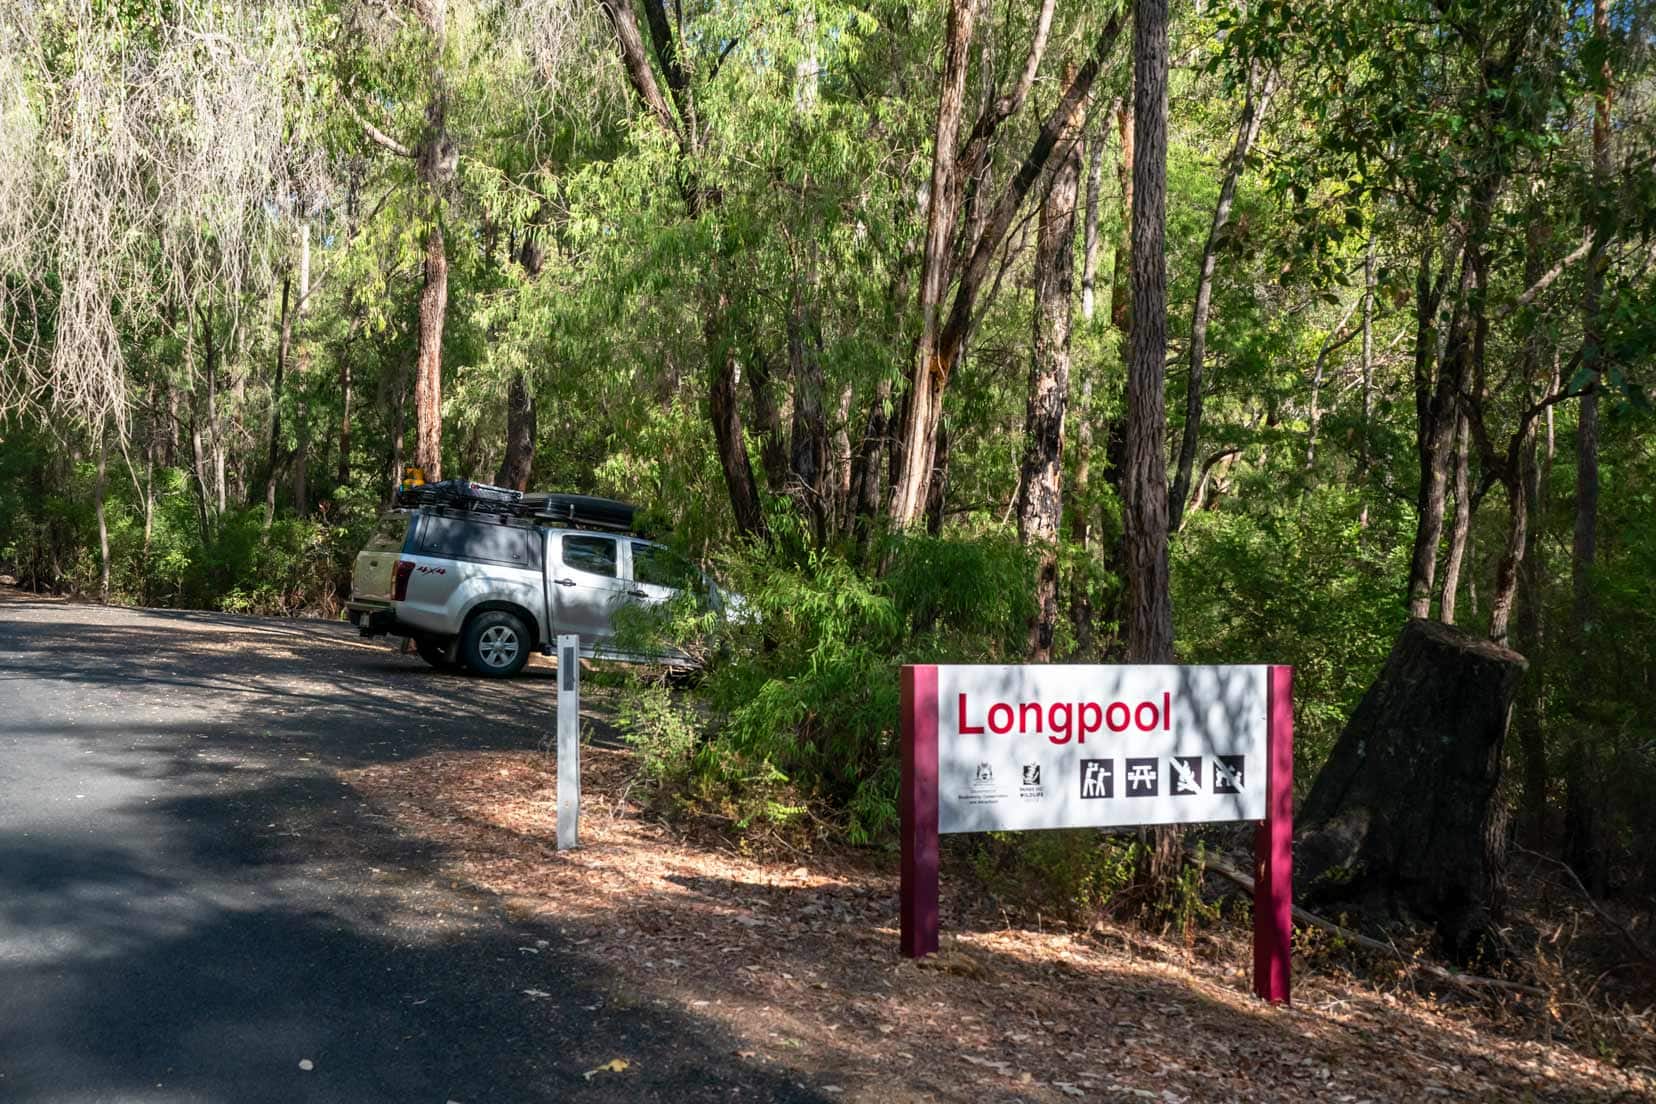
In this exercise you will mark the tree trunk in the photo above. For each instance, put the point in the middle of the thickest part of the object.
(1405, 813)
(1253, 116)
(198, 470)
(1435, 405)
(940, 350)
(1367, 443)
(865, 466)
(98, 490)
(842, 458)
(726, 419)
(1530, 723)
(1089, 236)
(170, 453)
(436, 162)
(1112, 615)
(808, 451)
(1516, 481)
(518, 463)
(215, 423)
(1150, 607)
(301, 451)
(399, 424)
(273, 458)
(301, 458)
(1313, 420)
(937, 489)
(151, 447)
(922, 402)
(428, 372)
(1121, 300)
(1460, 527)
(1081, 609)
(1517, 543)
(1144, 482)
(767, 425)
(342, 476)
(1040, 501)
(1582, 846)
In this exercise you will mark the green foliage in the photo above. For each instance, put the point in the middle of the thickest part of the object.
(1306, 586)
(803, 696)
(1083, 875)
(1079, 872)
(663, 732)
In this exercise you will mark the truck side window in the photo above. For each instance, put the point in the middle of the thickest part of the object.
(470, 540)
(658, 566)
(389, 533)
(594, 555)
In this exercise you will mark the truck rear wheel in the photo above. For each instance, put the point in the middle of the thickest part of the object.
(495, 644)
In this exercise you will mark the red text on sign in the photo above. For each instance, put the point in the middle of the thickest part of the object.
(1061, 722)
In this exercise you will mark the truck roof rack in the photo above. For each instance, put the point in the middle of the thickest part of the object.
(462, 493)
(573, 510)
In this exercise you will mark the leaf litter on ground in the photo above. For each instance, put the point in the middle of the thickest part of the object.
(797, 962)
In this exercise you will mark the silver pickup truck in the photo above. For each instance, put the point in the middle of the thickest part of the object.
(483, 589)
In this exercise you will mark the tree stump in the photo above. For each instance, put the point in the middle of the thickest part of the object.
(1404, 817)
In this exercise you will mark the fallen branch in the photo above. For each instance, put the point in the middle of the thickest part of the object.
(1311, 919)
(1609, 921)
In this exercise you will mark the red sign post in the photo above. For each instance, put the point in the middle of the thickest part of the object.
(1273, 874)
(918, 811)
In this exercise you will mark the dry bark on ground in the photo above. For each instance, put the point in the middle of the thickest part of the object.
(798, 960)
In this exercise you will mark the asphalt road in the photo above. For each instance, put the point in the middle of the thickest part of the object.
(192, 904)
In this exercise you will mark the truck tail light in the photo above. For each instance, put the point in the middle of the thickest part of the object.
(399, 592)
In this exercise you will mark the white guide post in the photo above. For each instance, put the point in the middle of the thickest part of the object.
(569, 740)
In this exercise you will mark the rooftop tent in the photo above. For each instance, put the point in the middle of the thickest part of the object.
(581, 510)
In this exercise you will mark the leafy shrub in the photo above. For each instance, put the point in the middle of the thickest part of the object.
(663, 732)
(803, 699)
(1083, 874)
(1303, 584)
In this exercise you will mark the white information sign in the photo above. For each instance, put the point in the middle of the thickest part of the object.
(1108, 746)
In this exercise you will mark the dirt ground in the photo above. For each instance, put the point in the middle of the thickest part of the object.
(796, 955)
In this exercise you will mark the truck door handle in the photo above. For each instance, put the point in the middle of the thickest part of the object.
(565, 582)
(638, 593)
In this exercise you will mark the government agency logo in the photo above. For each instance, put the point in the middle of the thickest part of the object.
(1031, 789)
(981, 787)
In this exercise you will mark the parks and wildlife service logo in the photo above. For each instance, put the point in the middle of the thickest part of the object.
(1030, 788)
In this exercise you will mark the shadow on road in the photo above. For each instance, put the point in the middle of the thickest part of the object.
(192, 903)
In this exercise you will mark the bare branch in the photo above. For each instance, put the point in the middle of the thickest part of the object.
(1546, 280)
(637, 63)
(975, 151)
(1006, 208)
(379, 136)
